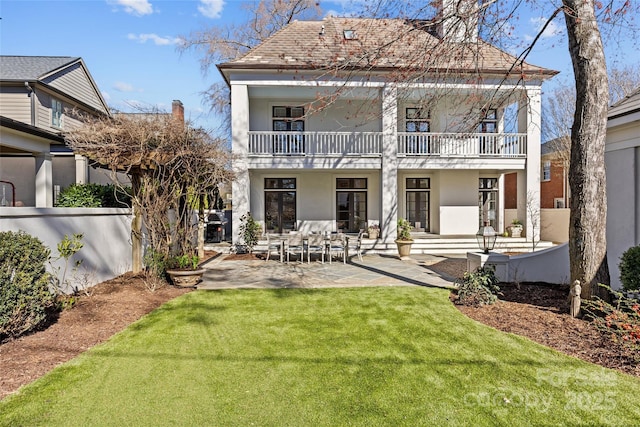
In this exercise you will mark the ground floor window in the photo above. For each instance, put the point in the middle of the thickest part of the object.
(351, 204)
(280, 204)
(418, 201)
(488, 201)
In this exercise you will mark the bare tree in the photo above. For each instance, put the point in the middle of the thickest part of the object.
(533, 209)
(220, 43)
(560, 106)
(172, 166)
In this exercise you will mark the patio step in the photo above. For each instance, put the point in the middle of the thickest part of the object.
(454, 245)
(435, 245)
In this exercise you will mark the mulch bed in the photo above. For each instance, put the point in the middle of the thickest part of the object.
(540, 312)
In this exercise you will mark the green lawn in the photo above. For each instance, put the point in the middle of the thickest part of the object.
(359, 356)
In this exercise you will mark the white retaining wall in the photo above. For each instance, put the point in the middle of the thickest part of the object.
(107, 237)
(548, 266)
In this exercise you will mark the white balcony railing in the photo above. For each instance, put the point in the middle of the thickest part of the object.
(315, 143)
(462, 144)
(370, 144)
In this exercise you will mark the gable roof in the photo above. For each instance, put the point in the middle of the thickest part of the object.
(65, 74)
(378, 45)
(627, 105)
(32, 67)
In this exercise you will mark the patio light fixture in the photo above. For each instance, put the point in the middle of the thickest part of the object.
(486, 237)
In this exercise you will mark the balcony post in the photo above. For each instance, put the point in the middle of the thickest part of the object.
(529, 122)
(389, 174)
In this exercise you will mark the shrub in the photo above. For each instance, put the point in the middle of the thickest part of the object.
(630, 269)
(619, 321)
(94, 196)
(404, 229)
(478, 288)
(155, 263)
(250, 231)
(25, 298)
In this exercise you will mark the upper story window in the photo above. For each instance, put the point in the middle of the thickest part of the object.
(489, 121)
(546, 170)
(56, 113)
(288, 119)
(417, 120)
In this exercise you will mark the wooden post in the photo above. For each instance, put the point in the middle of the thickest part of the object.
(574, 309)
(136, 227)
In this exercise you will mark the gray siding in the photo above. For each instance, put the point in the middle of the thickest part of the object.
(43, 108)
(75, 81)
(15, 104)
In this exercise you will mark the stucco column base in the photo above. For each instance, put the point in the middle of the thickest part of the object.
(498, 260)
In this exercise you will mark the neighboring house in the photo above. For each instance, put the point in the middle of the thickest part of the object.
(554, 174)
(554, 178)
(622, 161)
(325, 147)
(40, 97)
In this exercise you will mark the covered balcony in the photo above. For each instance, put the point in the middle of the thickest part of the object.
(369, 144)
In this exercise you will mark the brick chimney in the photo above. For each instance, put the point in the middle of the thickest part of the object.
(177, 111)
(459, 20)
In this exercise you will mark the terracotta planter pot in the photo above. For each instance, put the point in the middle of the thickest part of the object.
(404, 248)
(185, 278)
(373, 234)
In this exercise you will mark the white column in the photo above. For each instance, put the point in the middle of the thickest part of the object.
(389, 185)
(82, 169)
(240, 187)
(500, 208)
(529, 121)
(44, 181)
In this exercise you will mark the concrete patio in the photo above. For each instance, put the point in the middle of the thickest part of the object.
(373, 270)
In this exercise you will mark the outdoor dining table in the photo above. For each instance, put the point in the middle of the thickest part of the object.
(283, 238)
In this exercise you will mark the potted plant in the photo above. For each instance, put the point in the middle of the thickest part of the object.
(184, 271)
(404, 240)
(373, 231)
(515, 230)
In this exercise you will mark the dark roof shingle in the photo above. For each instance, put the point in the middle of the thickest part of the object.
(31, 67)
(379, 45)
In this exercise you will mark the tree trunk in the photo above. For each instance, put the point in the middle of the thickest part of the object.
(587, 180)
(136, 226)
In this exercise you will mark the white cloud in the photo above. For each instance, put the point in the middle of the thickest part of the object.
(125, 87)
(105, 95)
(211, 8)
(552, 30)
(134, 7)
(156, 39)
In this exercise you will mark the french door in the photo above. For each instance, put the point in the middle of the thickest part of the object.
(488, 201)
(351, 204)
(418, 201)
(280, 205)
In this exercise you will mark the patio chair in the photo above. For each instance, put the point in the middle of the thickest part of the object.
(337, 246)
(274, 244)
(295, 245)
(315, 244)
(355, 244)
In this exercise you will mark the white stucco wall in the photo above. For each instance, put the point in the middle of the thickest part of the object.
(343, 116)
(107, 236)
(622, 206)
(458, 193)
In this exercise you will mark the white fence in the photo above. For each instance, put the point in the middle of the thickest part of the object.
(107, 237)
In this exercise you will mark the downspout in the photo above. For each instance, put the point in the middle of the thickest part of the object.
(31, 94)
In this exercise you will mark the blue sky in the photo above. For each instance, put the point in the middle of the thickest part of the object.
(129, 45)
